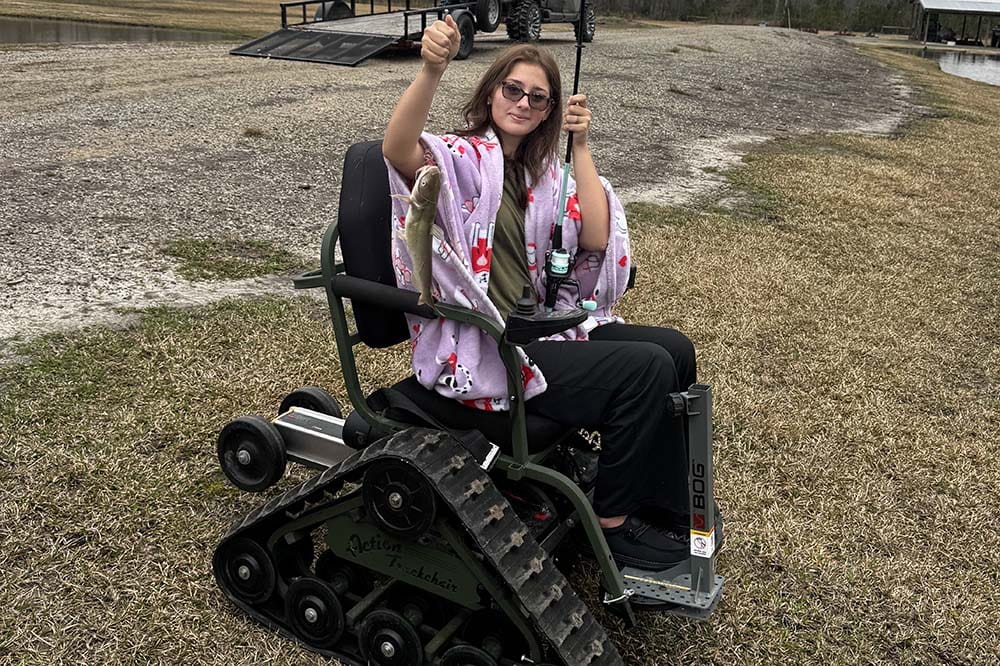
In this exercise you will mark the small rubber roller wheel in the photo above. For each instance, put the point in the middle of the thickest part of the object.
(314, 612)
(245, 570)
(398, 498)
(314, 398)
(388, 639)
(251, 453)
(467, 655)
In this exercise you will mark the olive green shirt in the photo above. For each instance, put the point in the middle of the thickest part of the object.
(509, 265)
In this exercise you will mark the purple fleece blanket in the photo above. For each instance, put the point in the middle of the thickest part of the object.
(458, 360)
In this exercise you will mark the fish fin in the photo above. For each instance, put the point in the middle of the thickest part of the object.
(401, 197)
(438, 232)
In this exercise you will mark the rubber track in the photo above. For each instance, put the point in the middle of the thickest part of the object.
(557, 613)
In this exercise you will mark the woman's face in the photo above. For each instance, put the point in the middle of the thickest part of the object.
(515, 120)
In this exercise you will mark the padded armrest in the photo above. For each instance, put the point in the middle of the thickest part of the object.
(310, 280)
(521, 329)
(405, 300)
(347, 286)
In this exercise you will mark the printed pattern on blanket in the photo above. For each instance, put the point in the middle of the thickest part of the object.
(458, 360)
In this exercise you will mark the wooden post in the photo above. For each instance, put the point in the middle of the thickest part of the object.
(979, 30)
(965, 17)
(927, 26)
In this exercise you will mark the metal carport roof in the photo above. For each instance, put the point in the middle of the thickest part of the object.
(962, 6)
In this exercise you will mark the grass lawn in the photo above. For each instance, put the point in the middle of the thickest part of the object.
(846, 316)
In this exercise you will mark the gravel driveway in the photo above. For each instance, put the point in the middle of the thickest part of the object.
(110, 151)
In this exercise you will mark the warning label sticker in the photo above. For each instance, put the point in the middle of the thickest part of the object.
(702, 543)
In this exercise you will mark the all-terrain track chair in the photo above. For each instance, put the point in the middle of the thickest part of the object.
(429, 536)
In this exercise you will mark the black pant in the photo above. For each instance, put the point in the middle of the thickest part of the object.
(617, 383)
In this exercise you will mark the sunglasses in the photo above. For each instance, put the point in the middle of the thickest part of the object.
(536, 100)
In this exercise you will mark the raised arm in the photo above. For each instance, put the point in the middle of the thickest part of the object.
(401, 145)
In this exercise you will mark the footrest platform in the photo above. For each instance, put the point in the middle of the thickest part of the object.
(670, 590)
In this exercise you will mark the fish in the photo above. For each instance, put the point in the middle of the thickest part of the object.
(420, 228)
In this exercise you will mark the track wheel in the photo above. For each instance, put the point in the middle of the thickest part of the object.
(399, 499)
(314, 612)
(467, 655)
(314, 398)
(251, 453)
(387, 639)
(245, 570)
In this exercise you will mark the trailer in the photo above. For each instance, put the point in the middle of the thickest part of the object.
(334, 33)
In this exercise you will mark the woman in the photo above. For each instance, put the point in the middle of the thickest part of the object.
(498, 203)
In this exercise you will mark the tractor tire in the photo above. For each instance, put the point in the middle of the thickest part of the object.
(467, 30)
(525, 21)
(487, 15)
(589, 22)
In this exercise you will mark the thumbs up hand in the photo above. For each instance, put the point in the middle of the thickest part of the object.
(440, 43)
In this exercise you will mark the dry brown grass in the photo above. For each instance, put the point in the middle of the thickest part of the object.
(846, 317)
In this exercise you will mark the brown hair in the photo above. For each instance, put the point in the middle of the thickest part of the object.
(538, 148)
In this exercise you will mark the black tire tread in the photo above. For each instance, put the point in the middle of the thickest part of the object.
(560, 618)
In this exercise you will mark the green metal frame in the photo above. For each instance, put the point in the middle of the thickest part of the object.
(520, 465)
(451, 536)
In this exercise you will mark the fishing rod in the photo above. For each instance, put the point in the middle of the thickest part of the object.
(557, 257)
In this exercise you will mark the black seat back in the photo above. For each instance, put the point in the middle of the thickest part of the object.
(364, 225)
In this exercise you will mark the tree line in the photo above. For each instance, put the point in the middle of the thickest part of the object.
(854, 15)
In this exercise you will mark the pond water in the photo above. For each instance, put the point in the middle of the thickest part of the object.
(978, 66)
(47, 31)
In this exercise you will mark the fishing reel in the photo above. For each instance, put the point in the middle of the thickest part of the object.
(557, 268)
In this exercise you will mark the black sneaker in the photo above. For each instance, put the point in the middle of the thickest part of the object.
(638, 544)
(674, 522)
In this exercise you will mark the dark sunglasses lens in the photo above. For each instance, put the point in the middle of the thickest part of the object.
(512, 92)
(538, 101)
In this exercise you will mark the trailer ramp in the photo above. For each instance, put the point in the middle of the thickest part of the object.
(326, 46)
(344, 41)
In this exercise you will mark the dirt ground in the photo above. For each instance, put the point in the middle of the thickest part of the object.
(845, 316)
(110, 151)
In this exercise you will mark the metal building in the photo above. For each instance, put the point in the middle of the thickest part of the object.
(976, 14)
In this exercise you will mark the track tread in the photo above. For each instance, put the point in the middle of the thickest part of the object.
(555, 610)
